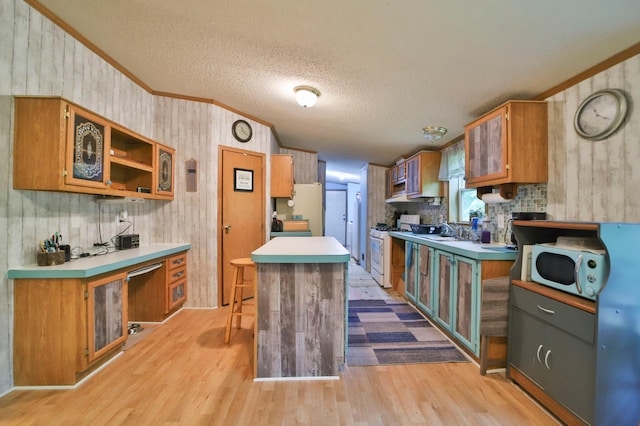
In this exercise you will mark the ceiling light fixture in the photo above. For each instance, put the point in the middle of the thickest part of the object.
(433, 133)
(306, 96)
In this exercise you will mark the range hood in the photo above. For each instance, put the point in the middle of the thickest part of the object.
(405, 199)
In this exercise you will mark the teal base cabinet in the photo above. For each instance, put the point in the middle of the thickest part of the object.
(577, 356)
(445, 282)
(456, 290)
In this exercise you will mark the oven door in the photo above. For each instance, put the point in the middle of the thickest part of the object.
(377, 254)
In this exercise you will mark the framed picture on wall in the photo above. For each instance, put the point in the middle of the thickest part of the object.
(243, 180)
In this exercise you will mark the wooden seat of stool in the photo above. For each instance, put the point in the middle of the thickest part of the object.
(235, 302)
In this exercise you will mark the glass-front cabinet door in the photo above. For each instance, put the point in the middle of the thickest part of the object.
(164, 170)
(88, 139)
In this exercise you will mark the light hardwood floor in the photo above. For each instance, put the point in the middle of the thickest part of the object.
(182, 373)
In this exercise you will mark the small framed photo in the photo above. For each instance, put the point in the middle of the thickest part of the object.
(243, 180)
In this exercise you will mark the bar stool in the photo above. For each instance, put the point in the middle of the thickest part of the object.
(237, 286)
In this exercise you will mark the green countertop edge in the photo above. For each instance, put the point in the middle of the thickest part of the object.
(451, 248)
(91, 272)
(291, 234)
(295, 258)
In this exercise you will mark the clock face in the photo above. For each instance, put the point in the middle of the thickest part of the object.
(242, 131)
(601, 114)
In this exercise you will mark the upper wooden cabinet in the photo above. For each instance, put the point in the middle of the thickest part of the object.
(60, 146)
(507, 145)
(282, 176)
(422, 175)
(396, 180)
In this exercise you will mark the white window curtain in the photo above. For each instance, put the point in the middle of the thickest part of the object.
(452, 162)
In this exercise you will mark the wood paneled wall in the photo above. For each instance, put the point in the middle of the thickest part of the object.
(595, 181)
(38, 58)
(305, 165)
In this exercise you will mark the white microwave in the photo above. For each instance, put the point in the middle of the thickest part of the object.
(582, 272)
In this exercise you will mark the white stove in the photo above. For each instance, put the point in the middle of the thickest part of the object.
(380, 257)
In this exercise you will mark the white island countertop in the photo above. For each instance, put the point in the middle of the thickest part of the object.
(94, 265)
(301, 250)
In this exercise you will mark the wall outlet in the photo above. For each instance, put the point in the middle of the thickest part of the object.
(500, 221)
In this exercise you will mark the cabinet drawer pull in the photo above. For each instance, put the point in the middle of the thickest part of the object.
(546, 359)
(549, 311)
(178, 274)
(178, 261)
(538, 354)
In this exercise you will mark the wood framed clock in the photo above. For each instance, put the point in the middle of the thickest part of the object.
(242, 131)
(601, 114)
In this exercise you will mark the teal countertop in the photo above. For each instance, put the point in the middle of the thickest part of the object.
(479, 251)
(301, 250)
(95, 265)
(291, 234)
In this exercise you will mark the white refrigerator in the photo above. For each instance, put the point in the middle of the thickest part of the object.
(307, 202)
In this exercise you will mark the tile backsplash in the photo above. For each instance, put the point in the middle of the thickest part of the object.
(530, 198)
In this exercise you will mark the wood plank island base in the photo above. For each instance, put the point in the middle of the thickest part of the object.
(301, 308)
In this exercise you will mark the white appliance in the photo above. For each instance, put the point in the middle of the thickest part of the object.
(307, 203)
(380, 257)
(406, 220)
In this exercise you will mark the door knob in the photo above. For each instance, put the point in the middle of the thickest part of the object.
(227, 228)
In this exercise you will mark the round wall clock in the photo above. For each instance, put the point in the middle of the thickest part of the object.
(601, 114)
(242, 131)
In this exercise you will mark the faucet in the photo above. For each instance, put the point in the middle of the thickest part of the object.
(448, 229)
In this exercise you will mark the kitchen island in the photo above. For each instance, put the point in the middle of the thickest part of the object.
(301, 307)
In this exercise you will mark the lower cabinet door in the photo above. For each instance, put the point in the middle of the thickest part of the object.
(411, 270)
(465, 302)
(526, 348)
(424, 293)
(443, 262)
(570, 363)
(106, 314)
(177, 293)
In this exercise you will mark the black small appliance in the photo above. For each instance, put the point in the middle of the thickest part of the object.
(127, 241)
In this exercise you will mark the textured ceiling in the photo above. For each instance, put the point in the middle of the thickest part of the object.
(385, 68)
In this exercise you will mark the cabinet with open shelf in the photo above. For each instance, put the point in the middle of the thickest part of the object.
(60, 146)
(570, 352)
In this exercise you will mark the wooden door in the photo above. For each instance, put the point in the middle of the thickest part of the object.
(241, 207)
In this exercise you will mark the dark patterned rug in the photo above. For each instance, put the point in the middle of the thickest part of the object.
(383, 332)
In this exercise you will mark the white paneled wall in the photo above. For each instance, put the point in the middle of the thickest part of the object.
(595, 180)
(38, 58)
(305, 165)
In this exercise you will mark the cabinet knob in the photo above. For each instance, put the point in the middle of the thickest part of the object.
(109, 182)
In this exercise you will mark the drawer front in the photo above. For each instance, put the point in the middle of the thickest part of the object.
(177, 274)
(177, 261)
(567, 318)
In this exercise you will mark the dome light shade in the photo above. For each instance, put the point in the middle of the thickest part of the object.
(434, 133)
(306, 96)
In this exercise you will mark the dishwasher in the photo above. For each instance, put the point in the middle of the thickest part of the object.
(143, 285)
